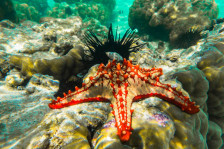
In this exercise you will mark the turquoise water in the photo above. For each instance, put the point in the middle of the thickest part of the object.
(122, 10)
(221, 8)
(125, 4)
(122, 20)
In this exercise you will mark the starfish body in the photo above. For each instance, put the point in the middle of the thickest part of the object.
(122, 84)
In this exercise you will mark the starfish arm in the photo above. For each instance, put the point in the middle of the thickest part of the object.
(122, 111)
(59, 105)
(94, 90)
(146, 83)
(152, 87)
(183, 102)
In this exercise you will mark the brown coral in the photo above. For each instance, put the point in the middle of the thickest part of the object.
(168, 20)
(195, 83)
(212, 65)
(61, 68)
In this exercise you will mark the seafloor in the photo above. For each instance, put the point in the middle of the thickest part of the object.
(39, 60)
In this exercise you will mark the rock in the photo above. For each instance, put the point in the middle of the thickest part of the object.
(5, 67)
(14, 79)
(7, 24)
(20, 111)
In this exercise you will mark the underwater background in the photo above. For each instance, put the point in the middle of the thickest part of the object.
(97, 74)
(122, 10)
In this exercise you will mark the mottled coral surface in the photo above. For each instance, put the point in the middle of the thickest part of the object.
(171, 20)
(28, 122)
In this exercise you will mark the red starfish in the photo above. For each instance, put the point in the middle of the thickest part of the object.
(122, 84)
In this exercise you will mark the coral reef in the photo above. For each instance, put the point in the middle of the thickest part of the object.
(75, 59)
(4, 65)
(7, 11)
(194, 82)
(40, 5)
(211, 64)
(187, 39)
(30, 9)
(67, 128)
(61, 10)
(110, 4)
(27, 12)
(122, 78)
(199, 69)
(53, 39)
(153, 118)
(7, 24)
(156, 126)
(67, 1)
(213, 138)
(173, 20)
(96, 27)
(55, 46)
(22, 108)
(34, 10)
(61, 68)
(14, 79)
(84, 10)
(20, 39)
(96, 9)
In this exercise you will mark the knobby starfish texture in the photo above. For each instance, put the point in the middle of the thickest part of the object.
(122, 84)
